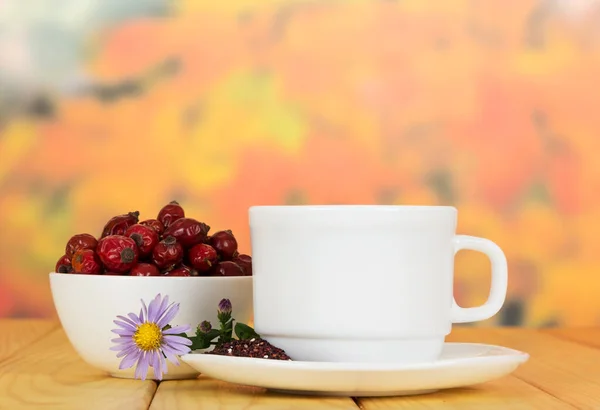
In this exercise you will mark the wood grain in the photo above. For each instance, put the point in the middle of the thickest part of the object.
(39, 368)
(567, 370)
(585, 336)
(49, 374)
(16, 334)
(209, 394)
(506, 393)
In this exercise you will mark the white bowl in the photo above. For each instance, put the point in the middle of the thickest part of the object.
(88, 304)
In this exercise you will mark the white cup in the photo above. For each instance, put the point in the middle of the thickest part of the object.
(362, 283)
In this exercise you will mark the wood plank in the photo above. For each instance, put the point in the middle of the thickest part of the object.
(50, 374)
(567, 370)
(205, 393)
(506, 393)
(18, 333)
(586, 336)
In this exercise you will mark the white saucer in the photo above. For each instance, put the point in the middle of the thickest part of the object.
(461, 364)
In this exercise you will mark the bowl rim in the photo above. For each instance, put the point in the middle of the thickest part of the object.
(137, 278)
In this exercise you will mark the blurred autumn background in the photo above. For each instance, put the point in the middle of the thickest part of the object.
(112, 106)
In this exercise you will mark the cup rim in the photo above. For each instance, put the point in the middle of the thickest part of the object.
(351, 207)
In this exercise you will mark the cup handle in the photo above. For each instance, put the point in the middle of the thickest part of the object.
(499, 285)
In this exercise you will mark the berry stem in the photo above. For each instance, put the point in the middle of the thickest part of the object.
(127, 255)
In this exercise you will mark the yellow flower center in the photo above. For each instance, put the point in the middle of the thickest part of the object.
(147, 336)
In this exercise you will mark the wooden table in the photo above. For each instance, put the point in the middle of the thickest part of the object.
(40, 369)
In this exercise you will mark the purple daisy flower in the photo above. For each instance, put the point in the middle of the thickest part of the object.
(144, 341)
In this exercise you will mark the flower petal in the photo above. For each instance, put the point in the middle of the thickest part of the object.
(119, 347)
(122, 339)
(145, 311)
(163, 364)
(141, 371)
(153, 308)
(177, 349)
(123, 332)
(177, 329)
(178, 340)
(171, 354)
(129, 360)
(135, 319)
(128, 320)
(156, 365)
(168, 315)
(128, 350)
(123, 346)
(124, 325)
(163, 306)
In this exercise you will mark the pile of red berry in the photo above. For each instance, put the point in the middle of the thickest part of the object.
(170, 245)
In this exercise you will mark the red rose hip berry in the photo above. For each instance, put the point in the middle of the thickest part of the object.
(118, 225)
(227, 268)
(154, 224)
(145, 237)
(170, 213)
(86, 261)
(181, 271)
(187, 231)
(245, 262)
(144, 269)
(202, 257)
(63, 265)
(167, 253)
(80, 241)
(118, 253)
(225, 244)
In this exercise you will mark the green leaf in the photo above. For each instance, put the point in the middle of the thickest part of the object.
(203, 340)
(243, 332)
(210, 336)
(199, 343)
